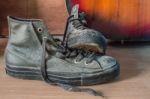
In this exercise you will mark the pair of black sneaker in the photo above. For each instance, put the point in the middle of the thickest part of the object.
(78, 60)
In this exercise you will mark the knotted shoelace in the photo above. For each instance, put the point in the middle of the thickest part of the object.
(65, 86)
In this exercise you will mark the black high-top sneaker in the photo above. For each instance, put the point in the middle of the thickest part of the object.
(32, 53)
(77, 35)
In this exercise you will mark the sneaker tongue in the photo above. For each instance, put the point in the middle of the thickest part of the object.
(75, 11)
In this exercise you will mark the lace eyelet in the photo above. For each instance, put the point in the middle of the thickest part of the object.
(86, 63)
(40, 29)
(75, 61)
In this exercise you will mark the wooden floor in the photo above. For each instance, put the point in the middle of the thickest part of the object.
(133, 83)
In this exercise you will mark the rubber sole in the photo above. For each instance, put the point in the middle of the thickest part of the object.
(32, 74)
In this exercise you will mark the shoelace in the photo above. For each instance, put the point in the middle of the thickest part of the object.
(72, 53)
(77, 23)
(64, 86)
(79, 55)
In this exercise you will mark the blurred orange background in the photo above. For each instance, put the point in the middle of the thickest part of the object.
(117, 19)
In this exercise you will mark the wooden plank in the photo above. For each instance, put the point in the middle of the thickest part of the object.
(11, 7)
(133, 82)
(53, 12)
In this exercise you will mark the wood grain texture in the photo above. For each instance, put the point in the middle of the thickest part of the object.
(117, 19)
(133, 83)
(53, 12)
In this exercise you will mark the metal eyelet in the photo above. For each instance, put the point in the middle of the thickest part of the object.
(86, 63)
(75, 61)
(40, 29)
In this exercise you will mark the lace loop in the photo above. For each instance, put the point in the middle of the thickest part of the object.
(78, 24)
(64, 86)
